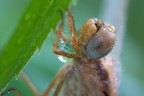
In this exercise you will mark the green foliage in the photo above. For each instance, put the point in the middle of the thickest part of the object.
(37, 21)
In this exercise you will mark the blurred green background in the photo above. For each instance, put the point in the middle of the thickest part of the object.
(44, 65)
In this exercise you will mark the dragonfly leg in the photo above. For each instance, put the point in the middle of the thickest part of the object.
(74, 39)
(29, 83)
(59, 86)
(59, 30)
(59, 36)
(13, 90)
(59, 77)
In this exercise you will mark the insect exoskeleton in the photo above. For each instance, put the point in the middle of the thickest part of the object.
(97, 38)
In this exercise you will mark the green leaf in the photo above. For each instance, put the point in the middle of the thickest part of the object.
(39, 18)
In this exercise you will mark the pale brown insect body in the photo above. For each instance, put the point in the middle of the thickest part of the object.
(91, 79)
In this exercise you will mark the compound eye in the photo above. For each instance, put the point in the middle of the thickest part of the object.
(101, 43)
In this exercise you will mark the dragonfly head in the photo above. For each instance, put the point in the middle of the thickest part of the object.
(102, 42)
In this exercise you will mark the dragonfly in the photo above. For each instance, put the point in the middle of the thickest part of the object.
(91, 72)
